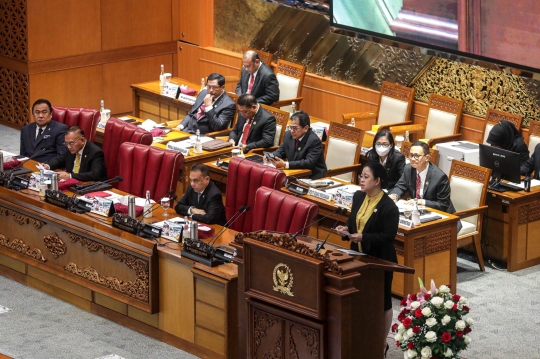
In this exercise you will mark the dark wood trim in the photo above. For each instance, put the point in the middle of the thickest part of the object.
(14, 65)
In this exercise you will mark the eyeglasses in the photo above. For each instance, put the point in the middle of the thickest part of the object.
(212, 87)
(72, 143)
(415, 156)
(294, 128)
(385, 145)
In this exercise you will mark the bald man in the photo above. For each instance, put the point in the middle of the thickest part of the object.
(257, 79)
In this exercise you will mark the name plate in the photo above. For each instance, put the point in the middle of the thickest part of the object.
(174, 147)
(186, 99)
(320, 194)
(58, 198)
(404, 222)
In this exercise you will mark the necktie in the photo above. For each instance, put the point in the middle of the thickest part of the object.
(200, 113)
(296, 143)
(418, 183)
(38, 137)
(77, 163)
(251, 80)
(199, 198)
(246, 132)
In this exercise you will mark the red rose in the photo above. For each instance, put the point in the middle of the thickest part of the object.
(459, 334)
(394, 327)
(465, 308)
(427, 296)
(416, 329)
(398, 344)
(449, 286)
(454, 308)
(413, 297)
(467, 330)
(410, 345)
(418, 313)
(446, 337)
(401, 316)
(456, 297)
(403, 302)
(407, 322)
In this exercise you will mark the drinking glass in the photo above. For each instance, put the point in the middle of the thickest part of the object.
(165, 204)
(407, 213)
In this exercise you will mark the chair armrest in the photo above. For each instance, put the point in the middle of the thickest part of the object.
(172, 124)
(389, 125)
(414, 128)
(345, 169)
(260, 150)
(215, 134)
(470, 212)
(433, 141)
(288, 102)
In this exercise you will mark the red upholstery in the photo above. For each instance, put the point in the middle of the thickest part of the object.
(116, 133)
(282, 212)
(148, 168)
(87, 119)
(244, 178)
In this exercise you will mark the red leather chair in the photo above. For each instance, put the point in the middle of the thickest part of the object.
(278, 211)
(116, 133)
(244, 178)
(86, 118)
(148, 168)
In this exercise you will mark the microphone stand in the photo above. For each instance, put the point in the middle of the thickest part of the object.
(337, 210)
(320, 246)
(7, 177)
(87, 187)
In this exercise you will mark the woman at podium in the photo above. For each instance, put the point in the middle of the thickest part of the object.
(372, 226)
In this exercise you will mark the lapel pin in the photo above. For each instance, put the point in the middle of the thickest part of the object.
(299, 148)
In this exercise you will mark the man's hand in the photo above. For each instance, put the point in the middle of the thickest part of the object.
(46, 166)
(63, 175)
(197, 211)
(278, 162)
(208, 100)
(232, 142)
(393, 196)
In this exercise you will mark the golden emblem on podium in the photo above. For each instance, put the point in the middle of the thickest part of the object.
(283, 279)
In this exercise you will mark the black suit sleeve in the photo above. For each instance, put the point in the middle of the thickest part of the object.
(442, 203)
(59, 162)
(23, 148)
(528, 167)
(280, 152)
(271, 93)
(61, 148)
(268, 134)
(236, 132)
(238, 90)
(182, 207)
(220, 121)
(97, 168)
(213, 210)
(373, 242)
(313, 153)
(401, 185)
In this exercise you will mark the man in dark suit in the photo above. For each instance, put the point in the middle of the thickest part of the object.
(532, 164)
(301, 147)
(213, 109)
(424, 181)
(258, 80)
(255, 127)
(202, 200)
(83, 161)
(44, 137)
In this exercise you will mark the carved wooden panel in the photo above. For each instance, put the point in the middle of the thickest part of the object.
(13, 29)
(55, 245)
(446, 105)
(463, 170)
(497, 116)
(438, 242)
(400, 248)
(20, 218)
(534, 128)
(397, 92)
(523, 212)
(267, 335)
(533, 212)
(14, 97)
(345, 132)
(419, 247)
(19, 246)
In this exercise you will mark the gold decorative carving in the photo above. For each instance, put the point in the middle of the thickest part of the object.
(397, 65)
(334, 71)
(279, 52)
(307, 61)
(293, 71)
(294, 56)
(533, 212)
(346, 132)
(437, 242)
(479, 89)
(466, 171)
(399, 93)
(283, 279)
(261, 322)
(319, 69)
(19, 246)
(21, 218)
(138, 289)
(419, 247)
(523, 214)
(55, 245)
(349, 74)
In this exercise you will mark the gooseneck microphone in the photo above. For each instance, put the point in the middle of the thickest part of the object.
(21, 163)
(320, 246)
(295, 188)
(337, 210)
(238, 214)
(98, 185)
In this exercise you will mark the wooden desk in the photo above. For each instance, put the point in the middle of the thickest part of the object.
(148, 102)
(430, 249)
(512, 228)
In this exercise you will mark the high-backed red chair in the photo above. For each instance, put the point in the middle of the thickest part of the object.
(278, 211)
(148, 168)
(86, 118)
(116, 133)
(243, 180)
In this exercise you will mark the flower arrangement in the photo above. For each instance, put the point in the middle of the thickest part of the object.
(431, 324)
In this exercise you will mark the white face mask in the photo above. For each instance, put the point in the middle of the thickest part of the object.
(382, 151)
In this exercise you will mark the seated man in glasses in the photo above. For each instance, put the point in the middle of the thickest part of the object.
(301, 148)
(213, 109)
(424, 181)
(83, 160)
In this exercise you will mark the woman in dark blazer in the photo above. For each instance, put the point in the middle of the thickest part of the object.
(372, 226)
(383, 151)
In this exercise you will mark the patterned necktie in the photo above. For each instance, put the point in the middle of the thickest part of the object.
(245, 134)
(77, 163)
(38, 137)
(200, 113)
(418, 184)
(251, 81)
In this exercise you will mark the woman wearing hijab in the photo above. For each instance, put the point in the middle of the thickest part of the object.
(383, 151)
(506, 136)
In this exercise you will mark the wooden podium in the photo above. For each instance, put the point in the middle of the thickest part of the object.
(295, 303)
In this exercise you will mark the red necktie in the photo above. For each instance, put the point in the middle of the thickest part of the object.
(246, 132)
(418, 183)
(296, 143)
(200, 113)
(251, 81)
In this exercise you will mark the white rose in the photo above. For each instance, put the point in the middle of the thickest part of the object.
(444, 289)
(467, 339)
(426, 352)
(415, 305)
(405, 336)
(411, 353)
(410, 333)
(463, 300)
(446, 319)
(448, 353)
(460, 325)
(469, 321)
(398, 337)
(431, 336)
(426, 312)
(431, 322)
(448, 304)
(437, 301)
(401, 326)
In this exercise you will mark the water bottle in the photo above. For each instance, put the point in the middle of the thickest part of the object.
(131, 206)
(407, 136)
(162, 76)
(147, 206)
(42, 185)
(54, 182)
(527, 184)
(186, 227)
(203, 84)
(193, 228)
(416, 213)
(197, 146)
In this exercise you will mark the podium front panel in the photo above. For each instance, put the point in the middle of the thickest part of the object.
(283, 278)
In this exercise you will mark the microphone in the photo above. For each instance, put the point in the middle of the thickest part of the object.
(245, 209)
(241, 209)
(337, 210)
(21, 163)
(295, 188)
(320, 246)
(224, 165)
(101, 185)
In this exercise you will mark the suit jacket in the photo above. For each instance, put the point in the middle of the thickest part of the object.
(394, 168)
(53, 137)
(436, 187)
(92, 167)
(211, 202)
(309, 153)
(218, 118)
(380, 229)
(265, 87)
(532, 164)
(261, 133)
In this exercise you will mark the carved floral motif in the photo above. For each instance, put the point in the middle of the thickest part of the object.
(19, 246)
(55, 245)
(21, 218)
(261, 322)
(466, 171)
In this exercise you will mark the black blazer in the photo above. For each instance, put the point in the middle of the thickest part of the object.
(394, 168)
(309, 153)
(211, 202)
(436, 188)
(261, 133)
(53, 137)
(218, 118)
(532, 164)
(92, 167)
(380, 230)
(265, 87)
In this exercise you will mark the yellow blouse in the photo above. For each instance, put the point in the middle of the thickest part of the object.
(364, 213)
